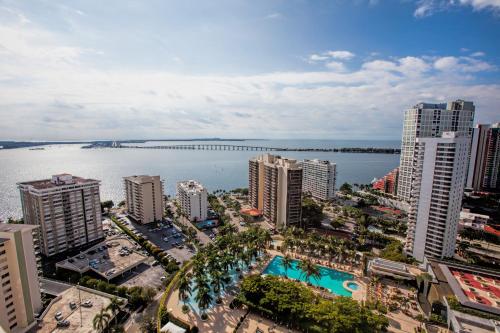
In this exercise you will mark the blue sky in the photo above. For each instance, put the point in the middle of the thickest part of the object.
(275, 69)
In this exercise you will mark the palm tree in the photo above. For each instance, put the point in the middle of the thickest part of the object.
(218, 283)
(184, 287)
(101, 320)
(116, 329)
(115, 306)
(309, 269)
(286, 263)
(203, 298)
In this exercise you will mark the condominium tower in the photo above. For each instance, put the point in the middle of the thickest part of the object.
(318, 178)
(439, 180)
(192, 198)
(427, 120)
(275, 188)
(144, 198)
(20, 296)
(484, 166)
(67, 209)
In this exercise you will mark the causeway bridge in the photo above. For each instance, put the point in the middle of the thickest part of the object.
(204, 146)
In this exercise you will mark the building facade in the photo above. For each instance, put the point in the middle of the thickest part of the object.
(484, 166)
(67, 209)
(20, 296)
(144, 198)
(318, 178)
(439, 180)
(275, 188)
(427, 120)
(193, 200)
(389, 183)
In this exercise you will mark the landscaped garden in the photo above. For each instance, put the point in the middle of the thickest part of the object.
(296, 306)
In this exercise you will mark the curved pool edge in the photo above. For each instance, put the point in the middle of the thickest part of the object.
(345, 284)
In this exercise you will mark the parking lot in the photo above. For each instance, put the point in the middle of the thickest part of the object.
(115, 256)
(61, 310)
(166, 236)
(143, 275)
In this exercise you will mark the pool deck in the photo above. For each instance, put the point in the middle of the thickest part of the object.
(358, 295)
(222, 319)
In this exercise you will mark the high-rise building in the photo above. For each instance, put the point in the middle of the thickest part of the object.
(193, 199)
(318, 178)
(427, 120)
(67, 209)
(484, 166)
(439, 180)
(388, 183)
(20, 296)
(275, 188)
(144, 198)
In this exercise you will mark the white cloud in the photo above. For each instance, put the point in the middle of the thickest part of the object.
(478, 54)
(343, 55)
(274, 16)
(446, 63)
(462, 64)
(317, 57)
(430, 7)
(336, 66)
(49, 91)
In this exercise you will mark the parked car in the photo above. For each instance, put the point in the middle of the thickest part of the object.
(63, 323)
(58, 315)
(72, 305)
(87, 304)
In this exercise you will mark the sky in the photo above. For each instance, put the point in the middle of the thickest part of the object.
(323, 69)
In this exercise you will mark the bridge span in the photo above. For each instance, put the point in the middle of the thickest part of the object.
(263, 148)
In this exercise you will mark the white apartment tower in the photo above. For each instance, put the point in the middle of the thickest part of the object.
(67, 209)
(427, 120)
(439, 179)
(193, 198)
(20, 296)
(318, 178)
(144, 198)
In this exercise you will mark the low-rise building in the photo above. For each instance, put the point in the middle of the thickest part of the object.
(472, 220)
(193, 200)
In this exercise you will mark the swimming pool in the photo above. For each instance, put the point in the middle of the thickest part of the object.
(330, 279)
(352, 285)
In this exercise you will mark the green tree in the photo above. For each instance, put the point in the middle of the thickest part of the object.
(309, 269)
(346, 188)
(184, 287)
(114, 307)
(312, 212)
(101, 320)
(287, 264)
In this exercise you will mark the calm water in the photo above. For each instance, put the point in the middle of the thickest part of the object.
(331, 279)
(215, 169)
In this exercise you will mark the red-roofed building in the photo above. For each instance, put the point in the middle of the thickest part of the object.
(388, 183)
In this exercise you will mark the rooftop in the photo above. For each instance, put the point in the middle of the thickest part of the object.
(12, 227)
(57, 181)
(473, 288)
(191, 186)
(141, 179)
(98, 300)
(117, 255)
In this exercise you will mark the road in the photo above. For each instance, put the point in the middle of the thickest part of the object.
(53, 287)
(202, 237)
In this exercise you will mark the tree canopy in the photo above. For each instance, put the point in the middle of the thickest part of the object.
(291, 302)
